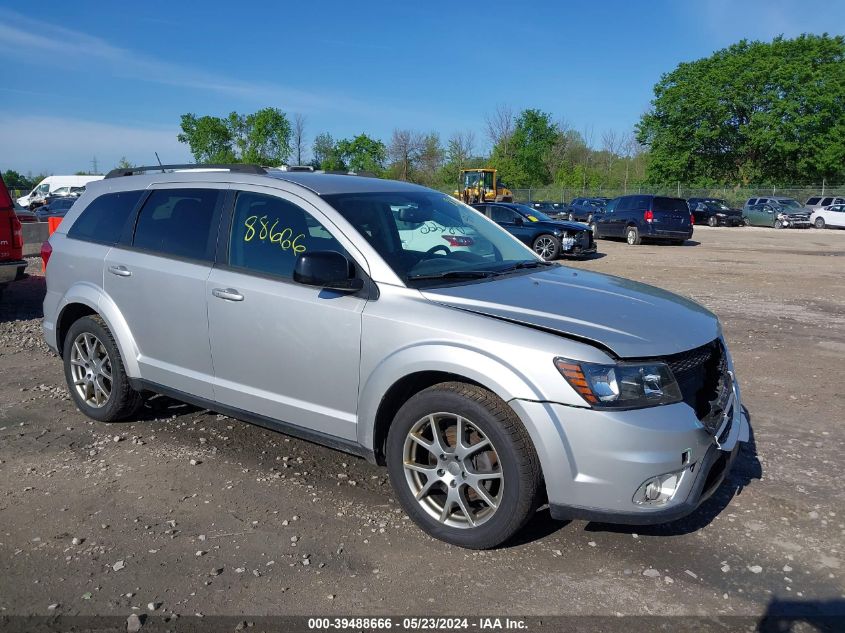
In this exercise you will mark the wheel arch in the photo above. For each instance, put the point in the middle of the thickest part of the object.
(410, 371)
(86, 299)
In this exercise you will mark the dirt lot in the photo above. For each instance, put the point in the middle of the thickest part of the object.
(104, 519)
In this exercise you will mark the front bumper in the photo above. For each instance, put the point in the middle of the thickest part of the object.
(594, 461)
(584, 244)
(796, 224)
(11, 270)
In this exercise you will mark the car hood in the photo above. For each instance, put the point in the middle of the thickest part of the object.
(560, 225)
(631, 319)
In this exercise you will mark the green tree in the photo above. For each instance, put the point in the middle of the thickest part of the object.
(525, 160)
(124, 164)
(753, 112)
(325, 153)
(14, 180)
(262, 138)
(362, 153)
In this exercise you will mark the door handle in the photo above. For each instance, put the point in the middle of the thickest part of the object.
(120, 271)
(229, 294)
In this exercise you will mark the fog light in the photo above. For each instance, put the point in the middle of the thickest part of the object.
(658, 490)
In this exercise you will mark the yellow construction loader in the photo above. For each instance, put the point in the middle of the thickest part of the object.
(482, 185)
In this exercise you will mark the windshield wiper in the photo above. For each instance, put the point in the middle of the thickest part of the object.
(454, 274)
(526, 264)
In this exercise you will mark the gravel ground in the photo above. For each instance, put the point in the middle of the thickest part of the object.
(186, 511)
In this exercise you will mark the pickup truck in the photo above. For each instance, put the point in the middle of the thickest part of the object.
(12, 264)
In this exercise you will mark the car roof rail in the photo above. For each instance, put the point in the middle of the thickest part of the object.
(241, 168)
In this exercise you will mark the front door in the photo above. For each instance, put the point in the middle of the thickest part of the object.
(512, 222)
(282, 350)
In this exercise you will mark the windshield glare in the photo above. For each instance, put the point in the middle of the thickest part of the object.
(790, 204)
(530, 212)
(422, 234)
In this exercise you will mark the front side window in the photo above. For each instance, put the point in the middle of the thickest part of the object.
(268, 233)
(179, 222)
(453, 241)
(103, 220)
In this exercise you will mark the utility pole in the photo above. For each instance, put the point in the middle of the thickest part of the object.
(94, 165)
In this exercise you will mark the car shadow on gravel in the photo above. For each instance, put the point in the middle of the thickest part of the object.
(784, 616)
(745, 469)
(157, 407)
(23, 299)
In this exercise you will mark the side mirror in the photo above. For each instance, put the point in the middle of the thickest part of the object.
(326, 269)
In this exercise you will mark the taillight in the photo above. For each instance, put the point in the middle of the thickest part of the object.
(691, 219)
(648, 216)
(17, 232)
(46, 251)
(458, 240)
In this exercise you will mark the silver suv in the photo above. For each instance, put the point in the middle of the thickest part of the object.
(488, 381)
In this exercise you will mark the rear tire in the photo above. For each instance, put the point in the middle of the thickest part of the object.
(95, 373)
(436, 482)
(590, 219)
(632, 236)
(547, 246)
(571, 217)
(819, 224)
(712, 221)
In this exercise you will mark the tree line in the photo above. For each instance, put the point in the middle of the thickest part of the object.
(763, 113)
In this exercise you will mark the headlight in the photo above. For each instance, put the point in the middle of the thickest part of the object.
(781, 216)
(621, 386)
(720, 215)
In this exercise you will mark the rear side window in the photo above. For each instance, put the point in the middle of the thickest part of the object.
(670, 204)
(268, 233)
(813, 201)
(826, 202)
(103, 220)
(751, 201)
(179, 222)
(640, 203)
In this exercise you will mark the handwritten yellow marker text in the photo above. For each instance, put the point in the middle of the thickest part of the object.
(284, 238)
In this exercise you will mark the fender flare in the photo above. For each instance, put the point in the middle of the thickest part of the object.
(90, 295)
(438, 356)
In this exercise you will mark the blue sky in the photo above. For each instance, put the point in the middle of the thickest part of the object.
(110, 79)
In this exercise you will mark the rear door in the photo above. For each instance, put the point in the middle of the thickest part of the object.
(157, 276)
(671, 215)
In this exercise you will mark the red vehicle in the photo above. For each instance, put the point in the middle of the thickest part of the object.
(12, 264)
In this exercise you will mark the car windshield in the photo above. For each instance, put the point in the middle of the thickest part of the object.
(429, 237)
(789, 203)
(717, 205)
(531, 213)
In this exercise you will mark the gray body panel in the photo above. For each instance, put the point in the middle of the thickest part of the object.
(323, 362)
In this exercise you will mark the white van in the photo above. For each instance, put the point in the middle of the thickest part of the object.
(51, 184)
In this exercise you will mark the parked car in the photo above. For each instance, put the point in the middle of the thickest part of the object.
(26, 216)
(56, 208)
(547, 237)
(585, 209)
(12, 263)
(488, 384)
(645, 217)
(830, 216)
(51, 184)
(714, 212)
(550, 208)
(776, 212)
(819, 202)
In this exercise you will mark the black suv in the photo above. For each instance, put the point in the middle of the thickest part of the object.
(641, 217)
(714, 212)
(584, 209)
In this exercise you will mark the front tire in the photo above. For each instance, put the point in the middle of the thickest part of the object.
(632, 236)
(712, 221)
(95, 374)
(463, 466)
(547, 246)
(778, 224)
(819, 224)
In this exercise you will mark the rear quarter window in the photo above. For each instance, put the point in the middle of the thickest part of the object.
(813, 201)
(104, 218)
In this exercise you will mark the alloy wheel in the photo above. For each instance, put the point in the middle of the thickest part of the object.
(544, 247)
(453, 471)
(631, 237)
(91, 369)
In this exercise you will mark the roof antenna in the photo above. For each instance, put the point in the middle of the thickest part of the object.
(159, 162)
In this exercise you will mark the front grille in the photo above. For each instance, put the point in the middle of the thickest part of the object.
(702, 375)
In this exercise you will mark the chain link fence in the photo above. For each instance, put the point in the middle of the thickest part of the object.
(735, 196)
